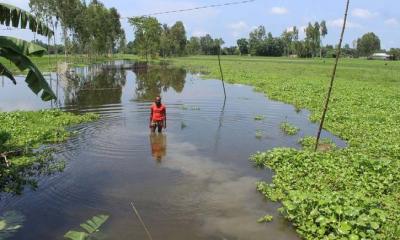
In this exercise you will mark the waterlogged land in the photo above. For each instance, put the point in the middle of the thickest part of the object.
(192, 182)
(351, 193)
(21, 134)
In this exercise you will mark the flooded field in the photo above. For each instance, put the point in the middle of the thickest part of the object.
(194, 181)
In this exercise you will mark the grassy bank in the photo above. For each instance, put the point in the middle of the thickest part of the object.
(21, 134)
(351, 193)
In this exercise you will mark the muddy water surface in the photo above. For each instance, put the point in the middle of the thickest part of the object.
(192, 182)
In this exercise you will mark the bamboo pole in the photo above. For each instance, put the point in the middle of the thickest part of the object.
(338, 52)
(141, 221)
(222, 74)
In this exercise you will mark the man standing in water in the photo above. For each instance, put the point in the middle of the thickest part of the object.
(158, 116)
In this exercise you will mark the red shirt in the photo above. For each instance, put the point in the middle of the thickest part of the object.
(158, 113)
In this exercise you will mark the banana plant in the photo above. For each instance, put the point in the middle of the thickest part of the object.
(18, 51)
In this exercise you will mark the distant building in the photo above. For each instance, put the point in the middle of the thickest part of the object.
(380, 56)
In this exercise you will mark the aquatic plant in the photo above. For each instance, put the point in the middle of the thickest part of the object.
(266, 219)
(349, 193)
(309, 143)
(289, 128)
(259, 118)
(90, 227)
(21, 136)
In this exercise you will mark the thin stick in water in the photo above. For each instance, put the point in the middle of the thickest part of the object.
(220, 69)
(339, 50)
(141, 221)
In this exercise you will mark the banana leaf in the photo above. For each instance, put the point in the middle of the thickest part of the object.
(14, 16)
(36, 82)
(5, 72)
(21, 46)
(75, 235)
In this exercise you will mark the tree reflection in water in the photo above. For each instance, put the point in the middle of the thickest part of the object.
(95, 86)
(151, 80)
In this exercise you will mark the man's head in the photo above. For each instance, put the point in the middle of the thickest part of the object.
(158, 101)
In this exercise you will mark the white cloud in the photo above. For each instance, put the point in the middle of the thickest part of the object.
(392, 22)
(338, 23)
(279, 10)
(239, 28)
(363, 13)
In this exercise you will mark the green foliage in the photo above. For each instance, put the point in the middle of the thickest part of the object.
(266, 219)
(368, 44)
(262, 45)
(289, 129)
(91, 226)
(309, 143)
(24, 132)
(259, 117)
(243, 46)
(16, 17)
(350, 193)
(147, 35)
(17, 51)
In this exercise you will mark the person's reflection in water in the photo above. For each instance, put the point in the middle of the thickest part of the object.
(158, 142)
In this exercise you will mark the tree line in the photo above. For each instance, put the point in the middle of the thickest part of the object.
(86, 28)
(94, 29)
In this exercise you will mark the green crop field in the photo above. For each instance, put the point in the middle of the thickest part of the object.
(351, 193)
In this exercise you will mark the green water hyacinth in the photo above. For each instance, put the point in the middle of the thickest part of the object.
(289, 129)
(350, 193)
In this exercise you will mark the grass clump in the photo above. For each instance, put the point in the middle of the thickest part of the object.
(21, 135)
(350, 193)
(289, 129)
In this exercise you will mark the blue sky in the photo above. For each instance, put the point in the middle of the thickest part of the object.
(232, 22)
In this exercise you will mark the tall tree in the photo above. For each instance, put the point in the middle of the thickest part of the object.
(324, 32)
(115, 33)
(179, 40)
(165, 41)
(194, 47)
(243, 46)
(206, 43)
(256, 37)
(368, 44)
(147, 35)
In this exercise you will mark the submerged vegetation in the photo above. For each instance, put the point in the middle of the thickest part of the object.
(350, 193)
(289, 128)
(22, 133)
(90, 227)
(259, 117)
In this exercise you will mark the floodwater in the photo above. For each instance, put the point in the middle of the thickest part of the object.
(192, 182)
